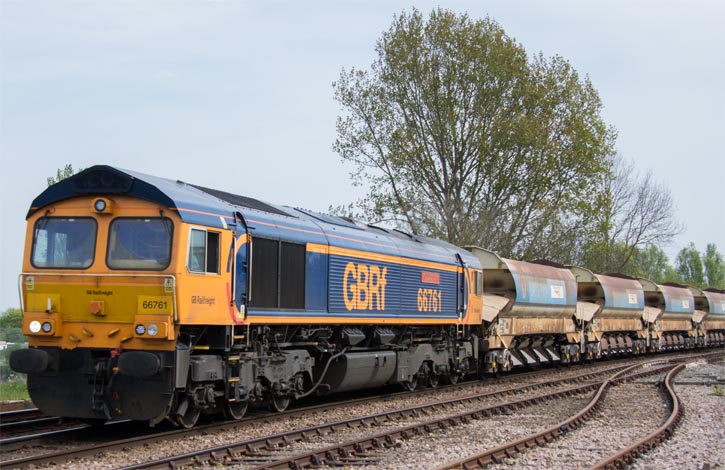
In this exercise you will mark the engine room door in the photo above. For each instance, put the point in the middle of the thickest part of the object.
(462, 291)
(240, 265)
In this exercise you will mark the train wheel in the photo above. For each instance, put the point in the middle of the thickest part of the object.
(411, 384)
(187, 414)
(279, 404)
(235, 409)
(433, 379)
(188, 419)
(452, 377)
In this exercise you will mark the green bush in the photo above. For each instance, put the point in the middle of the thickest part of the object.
(11, 322)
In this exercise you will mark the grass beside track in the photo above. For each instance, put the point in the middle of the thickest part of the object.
(14, 390)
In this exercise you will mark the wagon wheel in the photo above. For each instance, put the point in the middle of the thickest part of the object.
(235, 409)
(279, 403)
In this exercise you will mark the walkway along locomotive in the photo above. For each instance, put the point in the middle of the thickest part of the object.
(149, 299)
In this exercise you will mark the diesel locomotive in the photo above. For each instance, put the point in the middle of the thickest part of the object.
(151, 299)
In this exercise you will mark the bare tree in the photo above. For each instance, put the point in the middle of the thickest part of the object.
(635, 212)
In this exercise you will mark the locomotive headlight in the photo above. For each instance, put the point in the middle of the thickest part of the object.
(153, 330)
(102, 205)
(34, 326)
(47, 327)
(140, 329)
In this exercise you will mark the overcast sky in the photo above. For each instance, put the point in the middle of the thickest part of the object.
(237, 95)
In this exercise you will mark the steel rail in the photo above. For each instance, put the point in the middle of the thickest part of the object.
(542, 438)
(138, 441)
(65, 455)
(14, 426)
(618, 461)
(13, 443)
(350, 451)
(7, 417)
(341, 454)
(626, 456)
(235, 453)
(93, 449)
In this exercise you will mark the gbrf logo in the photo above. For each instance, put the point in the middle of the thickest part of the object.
(364, 286)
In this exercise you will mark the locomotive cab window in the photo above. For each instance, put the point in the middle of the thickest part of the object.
(478, 279)
(203, 251)
(139, 243)
(60, 242)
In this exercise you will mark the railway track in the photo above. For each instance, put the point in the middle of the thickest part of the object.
(30, 427)
(626, 456)
(31, 423)
(16, 426)
(584, 450)
(358, 451)
(260, 453)
(542, 438)
(140, 441)
(11, 417)
(215, 454)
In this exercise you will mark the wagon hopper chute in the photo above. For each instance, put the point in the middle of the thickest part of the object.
(674, 328)
(529, 311)
(714, 321)
(610, 313)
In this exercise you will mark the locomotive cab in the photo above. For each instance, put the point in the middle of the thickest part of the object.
(105, 264)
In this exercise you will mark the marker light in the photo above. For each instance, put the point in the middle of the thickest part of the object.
(47, 327)
(140, 329)
(34, 326)
(99, 205)
(153, 330)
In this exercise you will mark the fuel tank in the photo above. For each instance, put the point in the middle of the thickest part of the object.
(357, 370)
